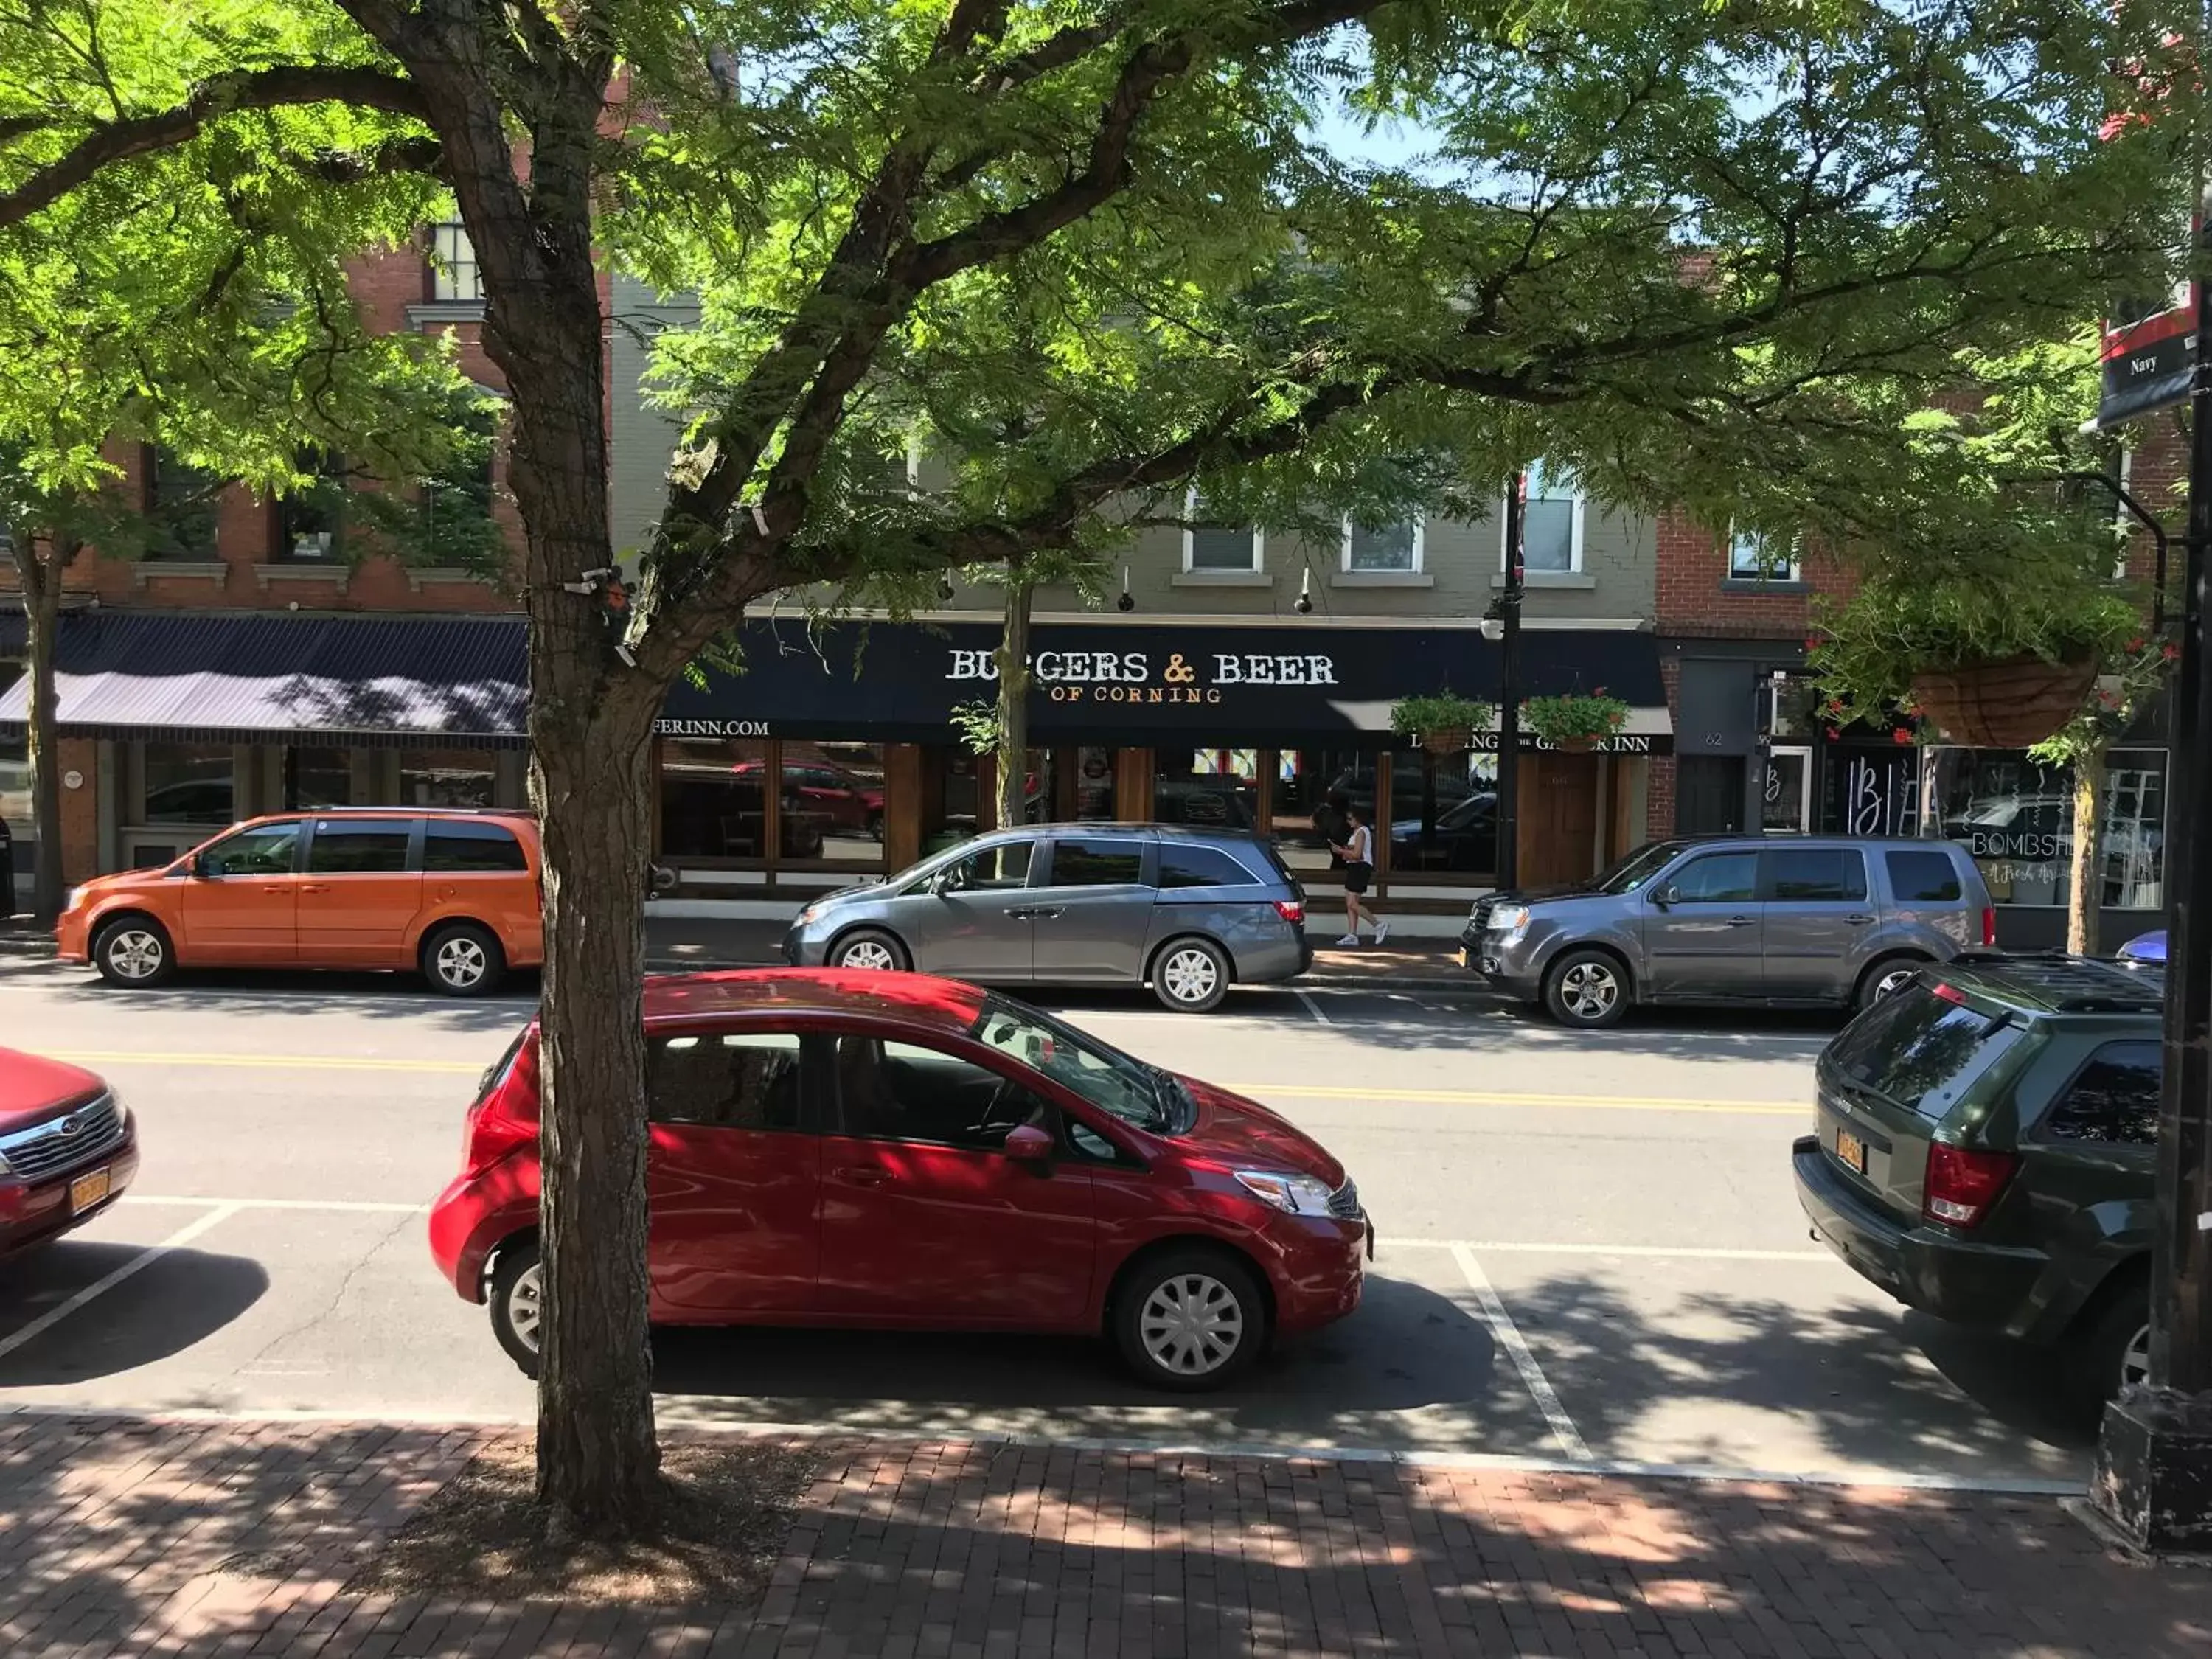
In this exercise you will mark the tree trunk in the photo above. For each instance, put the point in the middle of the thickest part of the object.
(42, 603)
(1014, 699)
(2085, 886)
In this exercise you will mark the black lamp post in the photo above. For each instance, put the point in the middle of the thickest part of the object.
(1506, 613)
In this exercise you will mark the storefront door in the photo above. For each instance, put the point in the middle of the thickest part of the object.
(1786, 802)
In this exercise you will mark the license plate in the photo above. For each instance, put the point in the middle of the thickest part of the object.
(1460, 956)
(1851, 1150)
(86, 1190)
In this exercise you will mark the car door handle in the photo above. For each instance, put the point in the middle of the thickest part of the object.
(1740, 921)
(312, 887)
(868, 1177)
(1022, 912)
(278, 887)
(1046, 912)
(1857, 922)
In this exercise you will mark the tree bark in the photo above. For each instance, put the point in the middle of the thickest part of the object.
(1013, 655)
(42, 581)
(2085, 886)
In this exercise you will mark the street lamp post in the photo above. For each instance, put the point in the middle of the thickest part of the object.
(1509, 687)
(2154, 1475)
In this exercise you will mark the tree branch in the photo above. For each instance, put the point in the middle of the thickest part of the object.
(112, 142)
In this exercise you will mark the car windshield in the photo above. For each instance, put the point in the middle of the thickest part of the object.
(1139, 1095)
(1638, 867)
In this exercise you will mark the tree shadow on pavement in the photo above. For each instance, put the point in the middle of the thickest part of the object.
(183, 1297)
(300, 994)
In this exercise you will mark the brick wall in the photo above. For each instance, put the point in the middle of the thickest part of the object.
(80, 808)
(1659, 789)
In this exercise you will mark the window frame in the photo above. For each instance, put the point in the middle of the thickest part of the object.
(487, 834)
(1672, 880)
(1164, 851)
(1146, 864)
(2042, 1135)
(980, 1057)
(1766, 895)
(443, 282)
(157, 510)
(1579, 504)
(297, 826)
(311, 825)
(1889, 876)
(1792, 570)
(812, 1047)
(1259, 564)
(1418, 523)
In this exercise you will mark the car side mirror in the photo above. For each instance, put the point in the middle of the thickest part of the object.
(204, 866)
(1667, 894)
(947, 880)
(1031, 1145)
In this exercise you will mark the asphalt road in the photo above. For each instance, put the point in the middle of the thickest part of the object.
(1590, 1251)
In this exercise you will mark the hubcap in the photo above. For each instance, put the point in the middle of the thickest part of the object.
(1190, 976)
(2135, 1362)
(1891, 980)
(136, 954)
(461, 962)
(524, 1306)
(1191, 1324)
(1588, 990)
(871, 955)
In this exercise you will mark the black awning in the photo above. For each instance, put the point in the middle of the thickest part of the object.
(1208, 684)
(246, 678)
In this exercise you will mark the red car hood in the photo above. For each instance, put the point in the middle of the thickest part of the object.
(1245, 1135)
(31, 1087)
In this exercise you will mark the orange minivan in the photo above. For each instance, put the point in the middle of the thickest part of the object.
(453, 895)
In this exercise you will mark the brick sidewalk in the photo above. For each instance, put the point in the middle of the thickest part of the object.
(129, 1537)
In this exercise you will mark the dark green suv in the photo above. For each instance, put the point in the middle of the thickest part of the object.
(1985, 1152)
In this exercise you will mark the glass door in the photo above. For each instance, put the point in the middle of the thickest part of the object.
(1786, 802)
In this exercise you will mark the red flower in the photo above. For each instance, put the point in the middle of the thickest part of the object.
(2110, 699)
(1811, 642)
(1900, 735)
(2135, 644)
(2168, 652)
(1599, 692)
(1834, 736)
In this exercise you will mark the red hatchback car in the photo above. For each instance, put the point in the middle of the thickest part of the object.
(893, 1151)
(67, 1150)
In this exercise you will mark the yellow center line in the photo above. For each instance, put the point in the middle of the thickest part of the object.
(268, 1062)
(1498, 1098)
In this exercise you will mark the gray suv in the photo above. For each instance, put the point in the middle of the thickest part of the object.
(1189, 911)
(1806, 921)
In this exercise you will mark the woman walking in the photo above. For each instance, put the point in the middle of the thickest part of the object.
(1358, 855)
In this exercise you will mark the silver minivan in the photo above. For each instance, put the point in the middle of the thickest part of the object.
(1808, 920)
(1190, 912)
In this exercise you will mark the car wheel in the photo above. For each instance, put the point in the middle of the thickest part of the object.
(871, 951)
(875, 826)
(1191, 975)
(463, 960)
(1888, 975)
(133, 951)
(2114, 1349)
(1588, 988)
(518, 1303)
(1190, 1320)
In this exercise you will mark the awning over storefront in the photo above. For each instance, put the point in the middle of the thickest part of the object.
(1211, 684)
(258, 678)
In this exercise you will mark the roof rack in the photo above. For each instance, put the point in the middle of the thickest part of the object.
(2064, 983)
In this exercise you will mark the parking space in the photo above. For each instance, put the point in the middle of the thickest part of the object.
(1591, 1250)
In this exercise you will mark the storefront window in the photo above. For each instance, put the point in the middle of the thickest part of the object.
(465, 778)
(1207, 788)
(315, 778)
(187, 783)
(833, 803)
(2017, 818)
(16, 801)
(711, 800)
(1443, 813)
(1312, 788)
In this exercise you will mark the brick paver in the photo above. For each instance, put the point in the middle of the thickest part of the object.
(130, 1537)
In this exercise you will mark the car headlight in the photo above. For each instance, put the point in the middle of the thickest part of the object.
(1293, 1195)
(1510, 920)
(76, 897)
(808, 914)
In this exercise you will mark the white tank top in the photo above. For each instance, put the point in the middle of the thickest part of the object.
(1362, 845)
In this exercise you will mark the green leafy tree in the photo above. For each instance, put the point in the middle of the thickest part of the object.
(857, 190)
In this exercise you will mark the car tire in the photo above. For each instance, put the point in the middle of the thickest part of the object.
(1190, 1319)
(869, 950)
(1191, 975)
(2111, 1347)
(1587, 989)
(875, 826)
(516, 1299)
(464, 959)
(133, 951)
(1883, 977)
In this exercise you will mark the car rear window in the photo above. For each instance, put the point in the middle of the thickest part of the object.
(1201, 867)
(1837, 874)
(1923, 879)
(450, 846)
(1920, 1050)
(1097, 863)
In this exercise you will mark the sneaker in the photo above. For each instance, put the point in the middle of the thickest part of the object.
(1382, 932)
(1349, 939)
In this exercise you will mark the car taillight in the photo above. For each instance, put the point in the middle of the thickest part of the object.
(1962, 1184)
(1292, 911)
(491, 1135)
(1951, 993)
(1988, 926)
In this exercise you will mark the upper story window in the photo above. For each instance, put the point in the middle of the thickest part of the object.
(454, 274)
(1755, 557)
(1552, 525)
(308, 519)
(180, 507)
(1395, 548)
(1219, 546)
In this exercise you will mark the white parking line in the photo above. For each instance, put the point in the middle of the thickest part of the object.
(359, 1207)
(1685, 1252)
(145, 1258)
(1314, 1008)
(1508, 1336)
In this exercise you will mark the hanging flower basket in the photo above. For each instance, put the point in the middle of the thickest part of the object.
(1577, 723)
(1575, 746)
(1444, 724)
(2011, 704)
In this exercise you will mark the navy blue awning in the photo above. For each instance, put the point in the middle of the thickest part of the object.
(254, 678)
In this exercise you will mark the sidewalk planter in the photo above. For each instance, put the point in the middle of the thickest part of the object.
(1576, 723)
(2012, 704)
(1444, 724)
